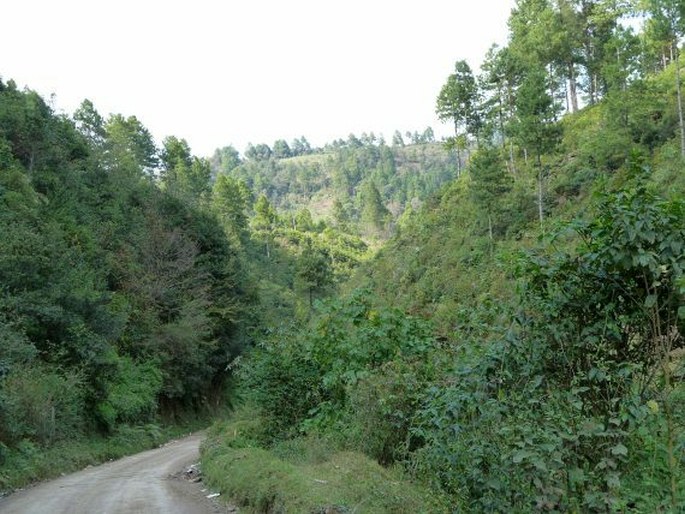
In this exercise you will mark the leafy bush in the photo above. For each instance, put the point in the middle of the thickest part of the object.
(40, 405)
(132, 395)
(283, 383)
(555, 415)
(382, 407)
(351, 354)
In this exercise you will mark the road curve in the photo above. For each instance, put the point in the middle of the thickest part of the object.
(147, 482)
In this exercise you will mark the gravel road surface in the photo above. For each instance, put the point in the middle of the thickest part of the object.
(148, 482)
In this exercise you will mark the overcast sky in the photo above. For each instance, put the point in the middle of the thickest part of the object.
(237, 71)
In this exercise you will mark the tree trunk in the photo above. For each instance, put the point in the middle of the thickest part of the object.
(458, 159)
(540, 211)
(573, 87)
(456, 146)
(490, 227)
(511, 157)
(500, 116)
(680, 103)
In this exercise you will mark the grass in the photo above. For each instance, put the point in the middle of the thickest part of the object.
(29, 463)
(304, 475)
(308, 159)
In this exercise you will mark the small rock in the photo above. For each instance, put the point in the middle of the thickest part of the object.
(213, 495)
(192, 473)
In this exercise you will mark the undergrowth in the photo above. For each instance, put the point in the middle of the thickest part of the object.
(304, 475)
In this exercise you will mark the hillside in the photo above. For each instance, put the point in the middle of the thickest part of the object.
(330, 184)
(492, 323)
(485, 356)
(443, 260)
(517, 345)
(122, 300)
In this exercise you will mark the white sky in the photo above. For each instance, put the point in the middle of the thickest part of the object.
(239, 71)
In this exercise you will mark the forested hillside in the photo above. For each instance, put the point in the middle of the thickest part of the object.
(313, 215)
(361, 185)
(120, 298)
(517, 345)
(132, 276)
(490, 323)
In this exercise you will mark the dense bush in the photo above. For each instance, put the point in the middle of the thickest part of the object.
(353, 356)
(556, 415)
(41, 405)
(544, 403)
(132, 396)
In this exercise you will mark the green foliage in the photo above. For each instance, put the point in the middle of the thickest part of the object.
(283, 383)
(490, 181)
(304, 475)
(128, 286)
(40, 405)
(403, 176)
(313, 272)
(562, 395)
(534, 126)
(382, 407)
(16, 350)
(281, 149)
(132, 395)
(595, 326)
(458, 100)
(305, 383)
(130, 147)
(230, 201)
(224, 160)
(373, 213)
(117, 299)
(183, 175)
(634, 249)
(260, 152)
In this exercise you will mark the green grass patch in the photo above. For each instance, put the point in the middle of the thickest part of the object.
(304, 475)
(316, 158)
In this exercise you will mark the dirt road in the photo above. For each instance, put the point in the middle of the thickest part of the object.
(147, 482)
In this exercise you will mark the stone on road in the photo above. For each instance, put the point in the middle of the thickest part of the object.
(148, 482)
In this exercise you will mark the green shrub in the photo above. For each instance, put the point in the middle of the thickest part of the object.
(381, 408)
(556, 415)
(283, 384)
(132, 394)
(304, 383)
(40, 405)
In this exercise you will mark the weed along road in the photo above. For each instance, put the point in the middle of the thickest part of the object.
(148, 482)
